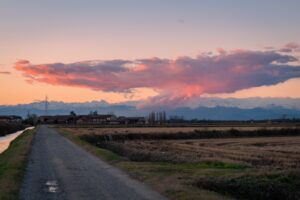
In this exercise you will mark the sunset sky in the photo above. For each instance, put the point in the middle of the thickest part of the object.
(161, 51)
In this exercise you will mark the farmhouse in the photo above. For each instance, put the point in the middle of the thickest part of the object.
(10, 119)
(109, 119)
(95, 119)
(131, 120)
(57, 119)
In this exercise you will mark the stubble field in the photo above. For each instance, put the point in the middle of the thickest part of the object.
(278, 152)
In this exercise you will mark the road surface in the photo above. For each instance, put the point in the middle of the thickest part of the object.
(59, 169)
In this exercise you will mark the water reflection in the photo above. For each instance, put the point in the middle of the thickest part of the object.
(5, 140)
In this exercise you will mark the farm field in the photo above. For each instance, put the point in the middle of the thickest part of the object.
(278, 152)
(224, 163)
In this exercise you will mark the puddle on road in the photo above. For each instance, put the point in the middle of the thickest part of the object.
(51, 186)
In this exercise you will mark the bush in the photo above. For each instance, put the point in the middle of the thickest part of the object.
(10, 128)
(233, 133)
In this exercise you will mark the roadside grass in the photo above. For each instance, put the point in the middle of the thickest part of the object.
(275, 186)
(12, 165)
(102, 153)
(178, 181)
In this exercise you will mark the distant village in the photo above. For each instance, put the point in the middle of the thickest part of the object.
(91, 118)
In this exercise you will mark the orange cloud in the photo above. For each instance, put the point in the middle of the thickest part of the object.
(176, 80)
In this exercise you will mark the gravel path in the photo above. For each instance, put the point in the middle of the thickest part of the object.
(59, 169)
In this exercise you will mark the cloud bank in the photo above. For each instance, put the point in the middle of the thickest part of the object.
(174, 79)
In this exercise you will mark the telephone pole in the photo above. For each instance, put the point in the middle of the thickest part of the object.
(46, 105)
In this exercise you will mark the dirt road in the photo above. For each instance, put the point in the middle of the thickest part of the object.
(59, 169)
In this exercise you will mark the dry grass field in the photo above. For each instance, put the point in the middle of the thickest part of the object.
(277, 152)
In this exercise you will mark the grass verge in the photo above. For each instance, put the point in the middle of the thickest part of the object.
(102, 153)
(12, 165)
(275, 186)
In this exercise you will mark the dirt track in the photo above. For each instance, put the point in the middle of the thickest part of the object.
(58, 169)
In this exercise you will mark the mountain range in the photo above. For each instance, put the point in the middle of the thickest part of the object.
(197, 108)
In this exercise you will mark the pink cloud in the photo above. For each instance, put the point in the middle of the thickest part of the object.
(175, 80)
(289, 47)
(269, 48)
(221, 51)
(292, 45)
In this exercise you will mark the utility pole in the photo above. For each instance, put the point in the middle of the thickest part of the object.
(46, 105)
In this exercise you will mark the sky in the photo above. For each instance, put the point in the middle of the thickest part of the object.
(159, 51)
